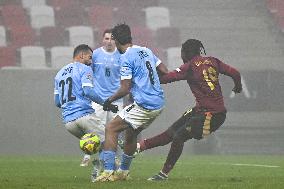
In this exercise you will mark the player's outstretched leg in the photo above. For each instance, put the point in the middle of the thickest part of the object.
(175, 151)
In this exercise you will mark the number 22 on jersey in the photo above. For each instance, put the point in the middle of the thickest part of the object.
(69, 97)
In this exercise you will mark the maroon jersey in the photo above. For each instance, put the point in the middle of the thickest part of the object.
(202, 75)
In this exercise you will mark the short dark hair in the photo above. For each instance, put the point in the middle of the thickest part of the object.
(81, 48)
(122, 34)
(192, 48)
(108, 30)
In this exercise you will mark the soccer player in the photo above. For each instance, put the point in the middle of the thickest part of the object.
(106, 67)
(140, 78)
(209, 113)
(74, 92)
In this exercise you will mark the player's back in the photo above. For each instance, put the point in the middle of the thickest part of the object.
(69, 83)
(106, 67)
(204, 83)
(139, 63)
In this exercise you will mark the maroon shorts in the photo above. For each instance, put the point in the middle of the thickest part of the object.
(199, 124)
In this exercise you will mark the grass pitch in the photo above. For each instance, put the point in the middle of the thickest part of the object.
(196, 172)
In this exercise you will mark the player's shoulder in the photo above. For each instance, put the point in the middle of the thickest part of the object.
(63, 69)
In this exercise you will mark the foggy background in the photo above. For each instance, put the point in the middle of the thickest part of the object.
(246, 34)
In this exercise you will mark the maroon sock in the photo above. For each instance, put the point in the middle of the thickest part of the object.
(158, 140)
(173, 155)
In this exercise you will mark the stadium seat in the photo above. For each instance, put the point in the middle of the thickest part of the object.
(81, 35)
(61, 56)
(6, 2)
(29, 3)
(173, 58)
(52, 36)
(166, 37)
(70, 16)
(42, 16)
(142, 36)
(272, 5)
(7, 56)
(3, 40)
(133, 16)
(14, 15)
(33, 57)
(22, 36)
(157, 17)
(58, 4)
(100, 17)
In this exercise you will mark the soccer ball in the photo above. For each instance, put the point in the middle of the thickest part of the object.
(90, 143)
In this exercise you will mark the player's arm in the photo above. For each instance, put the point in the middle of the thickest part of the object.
(91, 94)
(56, 95)
(57, 101)
(178, 74)
(125, 86)
(162, 69)
(233, 73)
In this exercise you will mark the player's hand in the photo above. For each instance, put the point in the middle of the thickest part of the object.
(237, 89)
(113, 108)
(107, 106)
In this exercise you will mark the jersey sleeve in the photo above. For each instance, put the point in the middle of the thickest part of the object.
(87, 76)
(178, 74)
(126, 69)
(229, 71)
(157, 60)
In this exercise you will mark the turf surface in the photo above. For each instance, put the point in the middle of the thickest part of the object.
(190, 172)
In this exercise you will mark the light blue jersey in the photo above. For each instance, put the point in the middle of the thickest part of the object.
(69, 83)
(106, 67)
(139, 64)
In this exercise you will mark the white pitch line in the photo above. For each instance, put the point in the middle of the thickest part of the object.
(255, 165)
(249, 165)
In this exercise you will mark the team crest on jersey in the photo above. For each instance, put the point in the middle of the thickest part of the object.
(90, 77)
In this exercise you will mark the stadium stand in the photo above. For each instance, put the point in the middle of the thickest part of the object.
(3, 39)
(42, 16)
(100, 17)
(52, 36)
(173, 58)
(142, 36)
(29, 3)
(157, 17)
(33, 57)
(7, 56)
(61, 56)
(58, 4)
(133, 17)
(70, 15)
(14, 15)
(166, 37)
(81, 35)
(22, 35)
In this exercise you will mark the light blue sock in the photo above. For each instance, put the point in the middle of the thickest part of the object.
(109, 160)
(125, 162)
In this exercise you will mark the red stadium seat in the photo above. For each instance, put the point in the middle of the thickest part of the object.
(100, 17)
(14, 15)
(52, 36)
(7, 56)
(22, 36)
(142, 36)
(272, 5)
(57, 4)
(70, 16)
(133, 16)
(167, 37)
